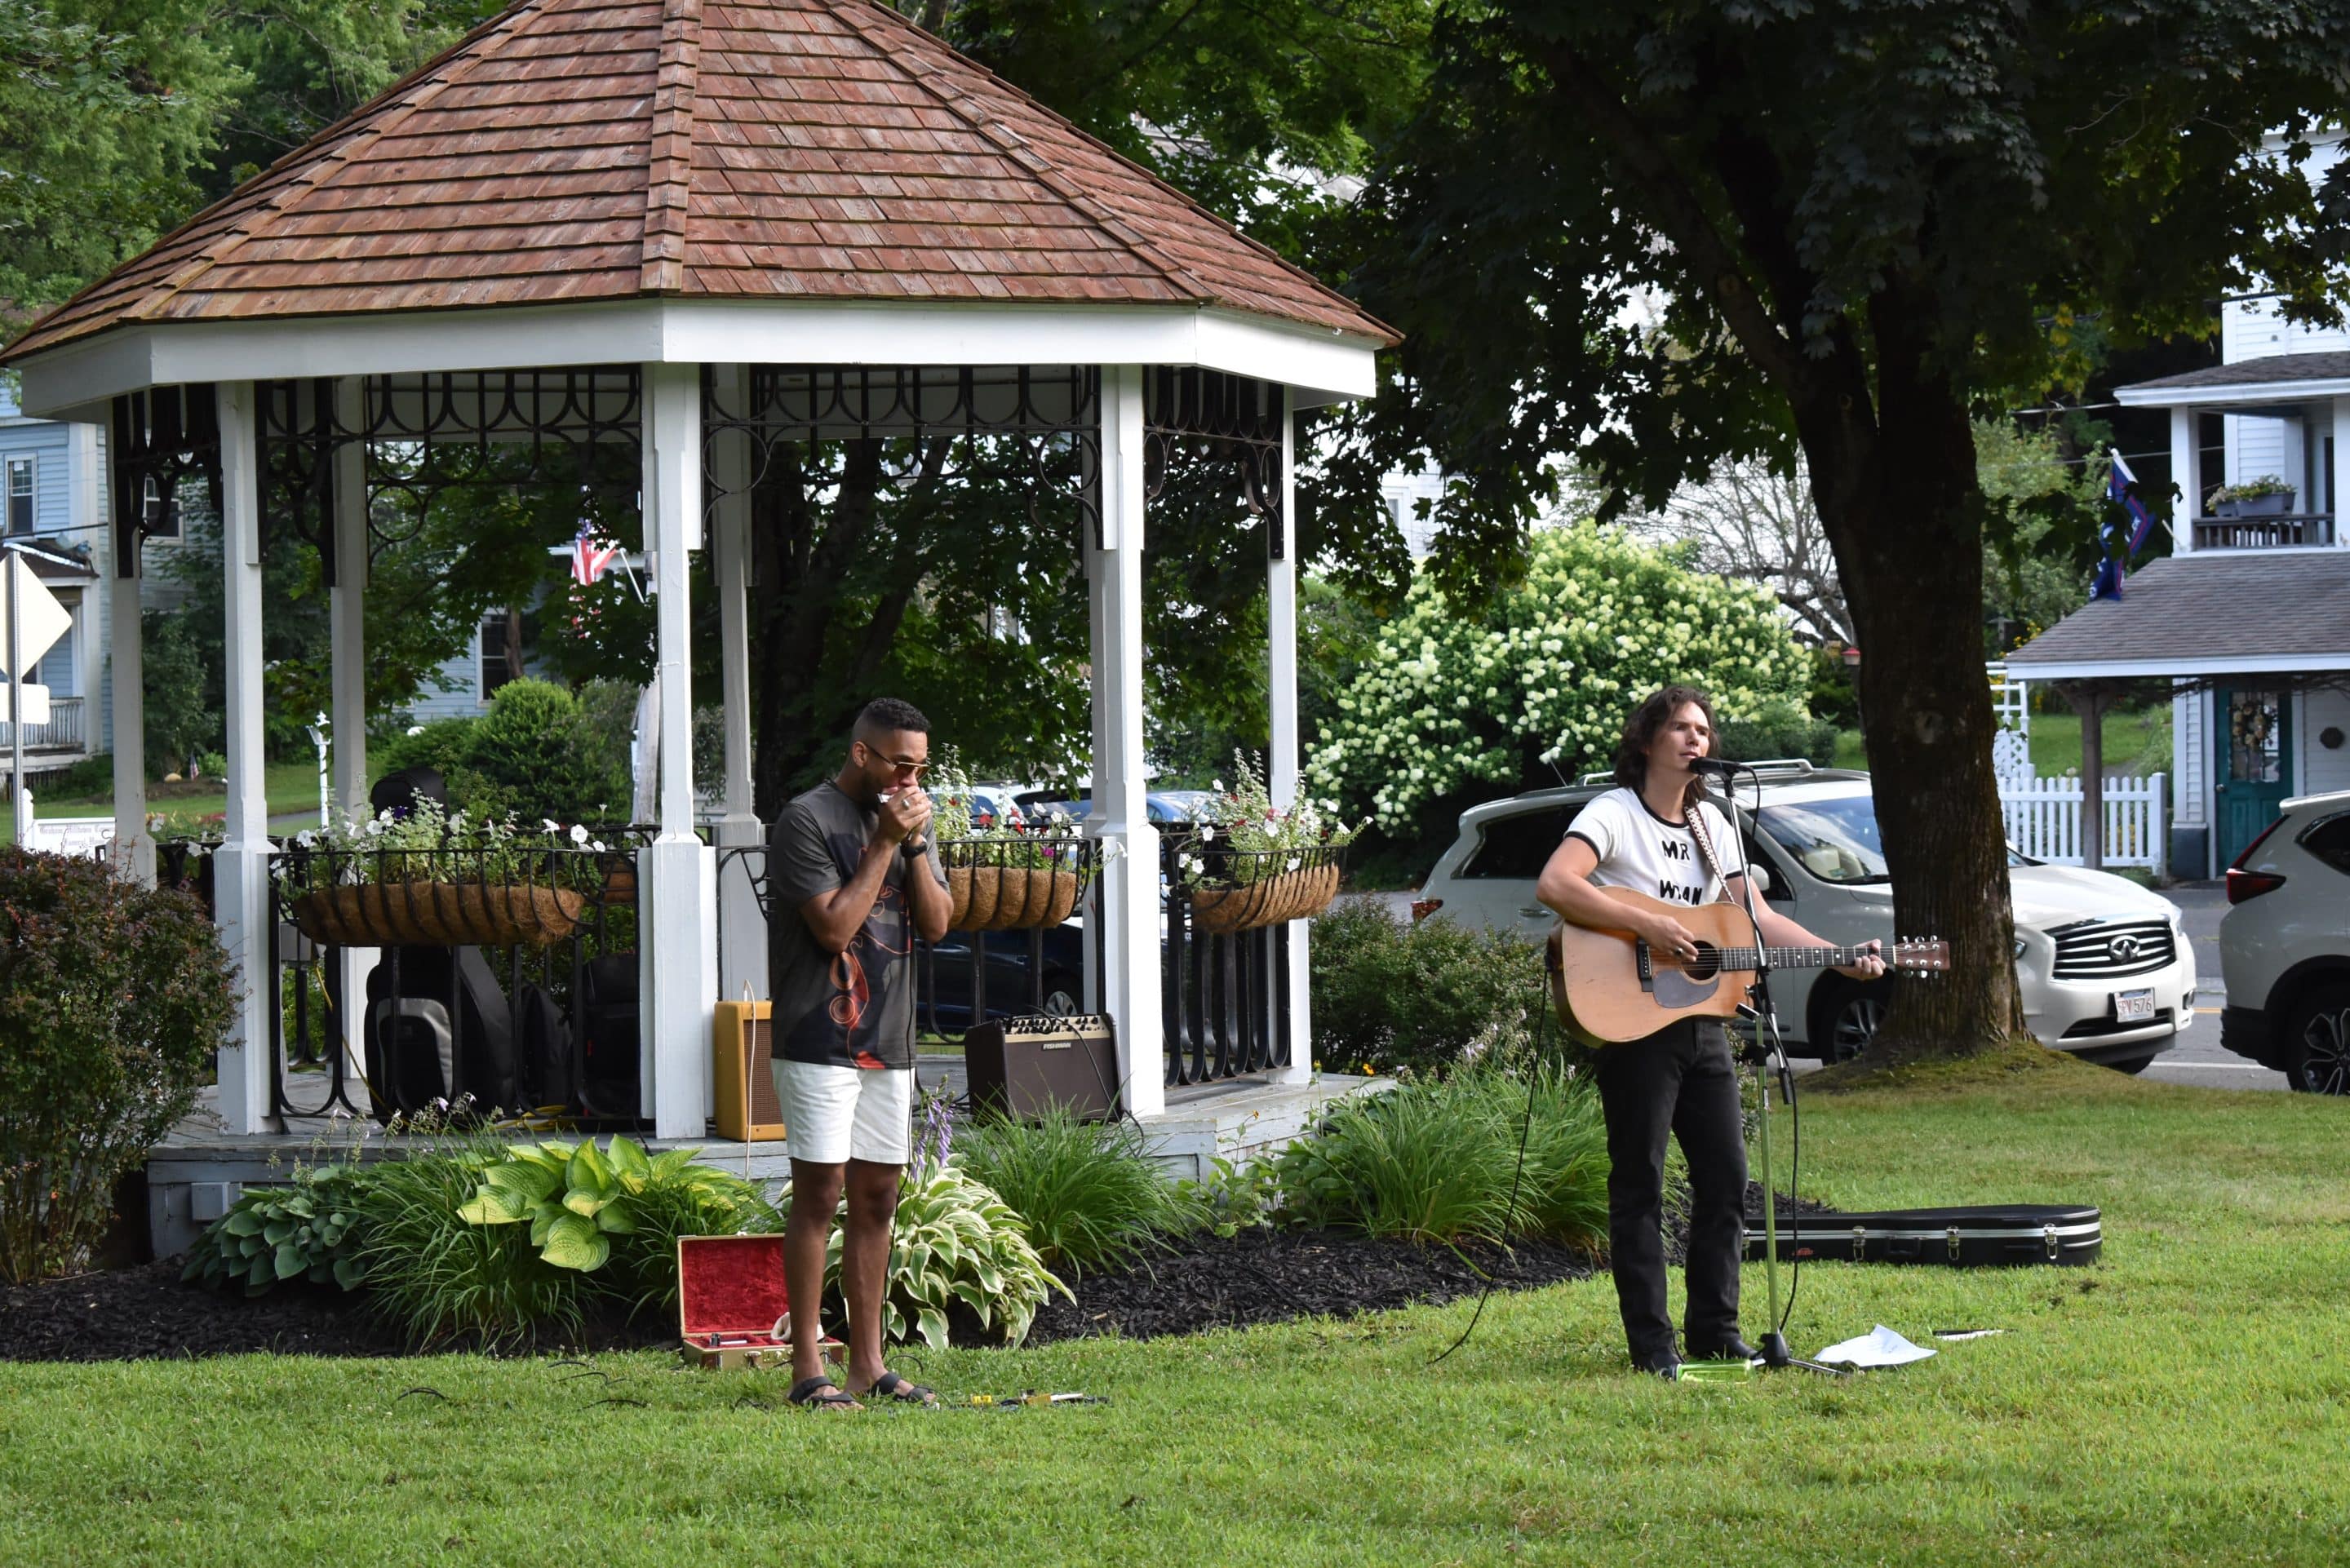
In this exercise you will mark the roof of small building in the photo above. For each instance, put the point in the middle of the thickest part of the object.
(2212, 604)
(2273, 367)
(596, 150)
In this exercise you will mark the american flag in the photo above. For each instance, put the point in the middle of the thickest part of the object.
(590, 556)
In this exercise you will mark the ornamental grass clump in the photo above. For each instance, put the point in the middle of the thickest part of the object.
(1089, 1192)
(113, 999)
(436, 1276)
(1438, 1161)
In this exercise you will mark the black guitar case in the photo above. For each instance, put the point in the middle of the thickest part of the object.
(1987, 1236)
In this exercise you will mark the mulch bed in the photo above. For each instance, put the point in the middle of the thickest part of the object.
(1273, 1276)
(1261, 1276)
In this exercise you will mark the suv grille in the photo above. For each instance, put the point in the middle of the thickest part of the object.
(2109, 951)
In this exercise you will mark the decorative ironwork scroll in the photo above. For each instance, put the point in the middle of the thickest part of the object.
(424, 435)
(160, 439)
(1217, 419)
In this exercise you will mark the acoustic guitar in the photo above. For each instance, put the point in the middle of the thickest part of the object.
(1610, 985)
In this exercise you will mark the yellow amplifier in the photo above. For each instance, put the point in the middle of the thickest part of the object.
(742, 1074)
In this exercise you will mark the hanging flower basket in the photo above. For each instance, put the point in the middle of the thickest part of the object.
(438, 914)
(1017, 883)
(1245, 890)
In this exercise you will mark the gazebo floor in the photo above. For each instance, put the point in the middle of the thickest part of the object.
(198, 1168)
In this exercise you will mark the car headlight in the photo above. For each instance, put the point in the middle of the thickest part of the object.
(2018, 947)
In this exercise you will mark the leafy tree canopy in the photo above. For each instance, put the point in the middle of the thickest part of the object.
(1654, 236)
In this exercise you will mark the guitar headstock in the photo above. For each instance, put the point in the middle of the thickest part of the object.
(1931, 956)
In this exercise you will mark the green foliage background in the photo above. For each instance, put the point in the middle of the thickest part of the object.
(1457, 693)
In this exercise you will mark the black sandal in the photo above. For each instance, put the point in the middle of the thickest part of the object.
(820, 1393)
(891, 1386)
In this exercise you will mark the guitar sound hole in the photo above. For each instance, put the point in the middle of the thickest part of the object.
(1706, 965)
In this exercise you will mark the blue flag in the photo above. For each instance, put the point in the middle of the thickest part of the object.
(2121, 487)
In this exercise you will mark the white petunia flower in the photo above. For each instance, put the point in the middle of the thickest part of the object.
(550, 824)
(578, 832)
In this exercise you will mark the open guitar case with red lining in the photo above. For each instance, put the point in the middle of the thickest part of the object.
(1991, 1235)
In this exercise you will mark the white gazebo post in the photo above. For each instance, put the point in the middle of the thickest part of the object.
(2183, 464)
(2338, 482)
(134, 848)
(1282, 767)
(745, 947)
(241, 873)
(346, 642)
(677, 911)
(1129, 980)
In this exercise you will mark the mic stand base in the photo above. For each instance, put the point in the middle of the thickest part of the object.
(1776, 1357)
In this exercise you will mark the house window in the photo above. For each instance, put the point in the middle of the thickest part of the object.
(501, 649)
(2210, 460)
(162, 516)
(20, 496)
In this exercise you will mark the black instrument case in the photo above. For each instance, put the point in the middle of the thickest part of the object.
(1987, 1236)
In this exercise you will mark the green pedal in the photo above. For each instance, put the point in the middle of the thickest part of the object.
(1716, 1371)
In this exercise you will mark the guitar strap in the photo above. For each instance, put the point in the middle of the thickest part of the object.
(1695, 812)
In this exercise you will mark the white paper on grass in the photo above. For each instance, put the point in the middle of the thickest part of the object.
(1880, 1346)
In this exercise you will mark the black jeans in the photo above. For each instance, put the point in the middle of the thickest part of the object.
(1682, 1080)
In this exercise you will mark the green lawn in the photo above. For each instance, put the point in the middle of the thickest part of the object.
(2134, 743)
(2186, 1401)
(289, 787)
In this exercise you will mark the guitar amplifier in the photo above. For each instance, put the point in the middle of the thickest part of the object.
(740, 1061)
(1022, 1066)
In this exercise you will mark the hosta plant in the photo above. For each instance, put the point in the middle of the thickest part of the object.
(955, 1241)
(275, 1234)
(576, 1199)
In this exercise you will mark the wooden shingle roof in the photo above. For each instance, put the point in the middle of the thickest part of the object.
(596, 150)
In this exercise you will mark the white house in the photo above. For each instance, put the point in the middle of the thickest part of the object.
(2249, 615)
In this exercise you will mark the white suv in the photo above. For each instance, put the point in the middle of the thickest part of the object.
(2105, 965)
(2284, 946)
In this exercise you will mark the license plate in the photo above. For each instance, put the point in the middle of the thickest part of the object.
(2133, 1006)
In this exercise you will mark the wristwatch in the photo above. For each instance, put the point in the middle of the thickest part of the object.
(911, 848)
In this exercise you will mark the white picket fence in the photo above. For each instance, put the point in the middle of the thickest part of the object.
(2044, 819)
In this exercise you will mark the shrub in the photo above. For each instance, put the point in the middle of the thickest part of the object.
(274, 1234)
(1087, 1191)
(1438, 1161)
(91, 778)
(174, 679)
(437, 1276)
(113, 998)
(533, 753)
(954, 1240)
(1455, 692)
(1777, 729)
(442, 744)
(1391, 995)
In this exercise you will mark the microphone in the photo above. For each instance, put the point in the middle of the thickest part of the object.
(1717, 767)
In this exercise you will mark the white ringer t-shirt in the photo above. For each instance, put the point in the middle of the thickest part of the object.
(1640, 850)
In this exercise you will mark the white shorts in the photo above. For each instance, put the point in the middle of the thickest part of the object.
(833, 1115)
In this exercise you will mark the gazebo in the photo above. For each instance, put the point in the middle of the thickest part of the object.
(702, 230)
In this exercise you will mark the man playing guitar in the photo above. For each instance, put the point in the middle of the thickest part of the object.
(1682, 1079)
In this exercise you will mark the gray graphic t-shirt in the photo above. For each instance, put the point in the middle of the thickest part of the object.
(853, 1009)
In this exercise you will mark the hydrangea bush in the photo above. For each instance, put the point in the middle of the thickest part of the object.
(1453, 696)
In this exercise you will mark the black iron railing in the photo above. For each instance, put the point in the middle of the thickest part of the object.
(1229, 922)
(505, 976)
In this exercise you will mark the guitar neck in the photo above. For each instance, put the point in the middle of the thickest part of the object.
(1781, 958)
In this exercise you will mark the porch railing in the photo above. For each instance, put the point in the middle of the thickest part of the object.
(63, 731)
(2264, 533)
(511, 981)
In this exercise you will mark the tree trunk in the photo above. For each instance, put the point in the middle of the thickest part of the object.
(1903, 510)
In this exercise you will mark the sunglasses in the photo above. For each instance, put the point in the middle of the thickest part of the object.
(899, 763)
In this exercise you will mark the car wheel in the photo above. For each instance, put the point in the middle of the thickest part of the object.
(2319, 1040)
(1063, 994)
(1846, 1018)
(2134, 1066)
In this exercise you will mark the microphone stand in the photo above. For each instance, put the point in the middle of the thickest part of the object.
(1769, 1059)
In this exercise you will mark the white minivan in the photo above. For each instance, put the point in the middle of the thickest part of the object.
(2105, 967)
